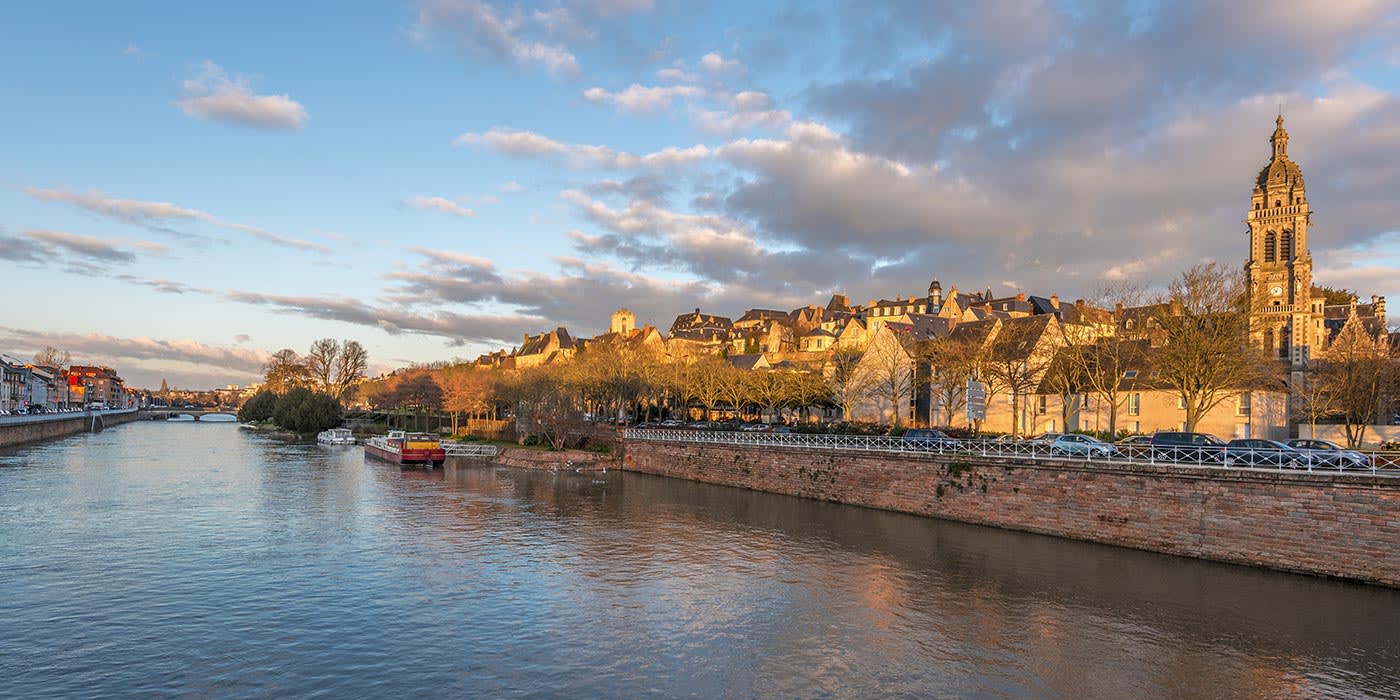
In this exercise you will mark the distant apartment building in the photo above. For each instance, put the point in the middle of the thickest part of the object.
(97, 385)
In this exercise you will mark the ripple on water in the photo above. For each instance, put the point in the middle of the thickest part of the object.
(189, 560)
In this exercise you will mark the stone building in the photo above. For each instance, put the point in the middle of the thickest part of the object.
(1288, 312)
(1291, 317)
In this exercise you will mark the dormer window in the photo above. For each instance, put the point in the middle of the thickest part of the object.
(1278, 202)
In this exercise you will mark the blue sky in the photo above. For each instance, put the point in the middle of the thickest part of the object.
(186, 187)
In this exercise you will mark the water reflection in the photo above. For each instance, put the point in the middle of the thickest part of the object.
(183, 560)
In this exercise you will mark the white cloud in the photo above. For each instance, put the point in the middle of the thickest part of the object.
(512, 187)
(641, 99)
(715, 63)
(441, 204)
(675, 75)
(213, 96)
(527, 144)
(132, 50)
(477, 27)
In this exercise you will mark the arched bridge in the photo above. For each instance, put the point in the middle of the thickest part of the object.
(219, 415)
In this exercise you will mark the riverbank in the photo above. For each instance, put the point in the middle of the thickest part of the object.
(554, 460)
(1342, 525)
(50, 426)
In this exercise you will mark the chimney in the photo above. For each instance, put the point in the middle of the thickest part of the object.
(1380, 306)
(1054, 301)
(870, 304)
(1020, 296)
(1117, 308)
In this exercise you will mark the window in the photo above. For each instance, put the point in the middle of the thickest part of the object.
(1286, 246)
(1130, 374)
(1134, 404)
(1270, 246)
(1244, 405)
(1042, 407)
(1181, 403)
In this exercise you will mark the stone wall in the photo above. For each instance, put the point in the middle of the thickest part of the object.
(525, 458)
(18, 433)
(1343, 525)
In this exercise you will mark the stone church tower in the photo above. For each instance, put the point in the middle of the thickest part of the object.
(1287, 316)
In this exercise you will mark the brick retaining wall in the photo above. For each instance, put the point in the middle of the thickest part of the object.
(1343, 525)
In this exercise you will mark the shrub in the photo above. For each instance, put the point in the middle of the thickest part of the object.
(259, 408)
(303, 411)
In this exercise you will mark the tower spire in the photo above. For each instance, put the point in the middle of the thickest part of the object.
(1280, 137)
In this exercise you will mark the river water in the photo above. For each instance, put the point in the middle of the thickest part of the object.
(200, 561)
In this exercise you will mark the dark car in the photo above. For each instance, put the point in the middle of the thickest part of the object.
(929, 439)
(1254, 452)
(1173, 446)
(1330, 455)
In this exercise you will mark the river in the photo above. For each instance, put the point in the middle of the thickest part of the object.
(197, 560)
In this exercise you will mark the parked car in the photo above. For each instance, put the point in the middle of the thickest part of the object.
(1174, 446)
(1329, 455)
(1254, 452)
(755, 427)
(1135, 445)
(1066, 444)
(929, 439)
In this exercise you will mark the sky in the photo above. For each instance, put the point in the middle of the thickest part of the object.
(188, 187)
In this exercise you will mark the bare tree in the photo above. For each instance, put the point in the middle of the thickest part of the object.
(770, 389)
(888, 367)
(1313, 398)
(285, 371)
(847, 385)
(1207, 355)
(1017, 359)
(704, 382)
(320, 363)
(953, 362)
(350, 367)
(1358, 373)
(51, 356)
(808, 389)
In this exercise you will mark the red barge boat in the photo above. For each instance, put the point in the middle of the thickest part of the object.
(407, 448)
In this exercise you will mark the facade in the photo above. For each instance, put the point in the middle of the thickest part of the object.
(96, 384)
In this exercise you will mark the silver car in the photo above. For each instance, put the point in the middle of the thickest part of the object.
(1076, 444)
(1329, 455)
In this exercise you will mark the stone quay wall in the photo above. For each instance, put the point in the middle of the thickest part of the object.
(1344, 525)
(15, 433)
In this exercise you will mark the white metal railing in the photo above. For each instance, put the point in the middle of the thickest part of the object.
(1354, 461)
(466, 449)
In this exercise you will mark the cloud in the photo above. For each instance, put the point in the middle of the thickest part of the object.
(163, 286)
(477, 28)
(714, 63)
(512, 187)
(441, 204)
(395, 320)
(676, 74)
(22, 249)
(242, 338)
(149, 214)
(95, 348)
(527, 144)
(132, 50)
(91, 248)
(640, 99)
(212, 95)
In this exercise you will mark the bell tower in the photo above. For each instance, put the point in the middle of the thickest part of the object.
(1286, 319)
